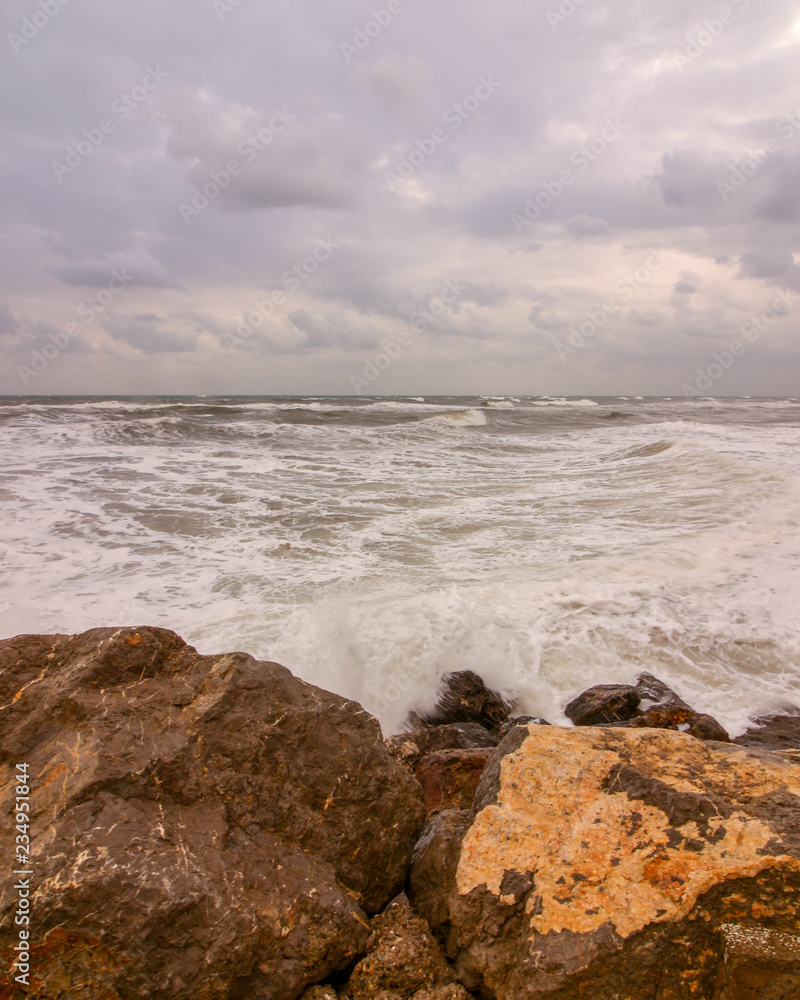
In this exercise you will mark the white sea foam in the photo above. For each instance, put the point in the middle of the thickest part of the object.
(374, 552)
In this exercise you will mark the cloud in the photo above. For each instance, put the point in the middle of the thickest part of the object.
(584, 225)
(402, 86)
(311, 137)
(688, 180)
(8, 322)
(137, 264)
(151, 334)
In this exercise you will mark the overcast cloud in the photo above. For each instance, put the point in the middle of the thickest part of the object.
(627, 165)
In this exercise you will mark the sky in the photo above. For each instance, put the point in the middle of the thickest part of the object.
(305, 197)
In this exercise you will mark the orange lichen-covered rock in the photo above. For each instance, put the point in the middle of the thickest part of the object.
(606, 862)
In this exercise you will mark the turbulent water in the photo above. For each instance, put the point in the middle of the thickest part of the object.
(373, 545)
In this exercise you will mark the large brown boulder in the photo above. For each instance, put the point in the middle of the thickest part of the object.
(605, 862)
(202, 826)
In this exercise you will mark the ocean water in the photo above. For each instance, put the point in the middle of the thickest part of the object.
(373, 545)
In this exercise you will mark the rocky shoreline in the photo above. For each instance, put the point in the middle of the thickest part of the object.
(212, 827)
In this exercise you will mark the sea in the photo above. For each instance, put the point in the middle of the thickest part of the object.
(372, 545)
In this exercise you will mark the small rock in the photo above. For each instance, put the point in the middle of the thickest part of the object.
(408, 749)
(662, 708)
(403, 957)
(683, 720)
(603, 703)
(454, 992)
(465, 698)
(319, 993)
(655, 693)
(449, 778)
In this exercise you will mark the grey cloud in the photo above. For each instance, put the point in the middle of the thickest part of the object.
(8, 322)
(151, 334)
(766, 263)
(137, 265)
(584, 225)
(688, 180)
(656, 186)
(401, 86)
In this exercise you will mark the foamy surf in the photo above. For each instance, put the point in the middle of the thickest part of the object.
(373, 545)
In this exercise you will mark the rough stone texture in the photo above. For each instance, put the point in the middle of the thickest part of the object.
(203, 826)
(319, 993)
(774, 732)
(403, 957)
(654, 693)
(449, 778)
(603, 703)
(521, 720)
(408, 749)
(453, 992)
(605, 862)
(465, 698)
(683, 720)
(648, 705)
(759, 964)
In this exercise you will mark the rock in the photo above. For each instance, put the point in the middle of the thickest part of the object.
(648, 705)
(603, 703)
(402, 957)
(465, 698)
(774, 732)
(521, 720)
(661, 708)
(319, 993)
(204, 826)
(453, 992)
(684, 720)
(608, 862)
(449, 778)
(408, 749)
(759, 964)
(654, 693)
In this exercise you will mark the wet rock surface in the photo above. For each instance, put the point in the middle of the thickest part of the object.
(450, 778)
(606, 862)
(202, 826)
(603, 703)
(464, 697)
(649, 704)
(774, 732)
(408, 749)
